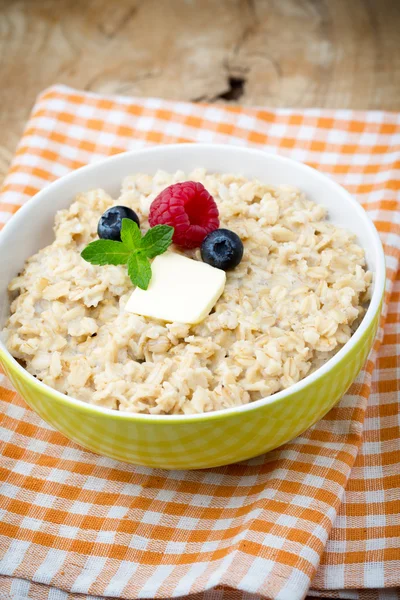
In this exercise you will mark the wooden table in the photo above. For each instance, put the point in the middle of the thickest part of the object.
(326, 53)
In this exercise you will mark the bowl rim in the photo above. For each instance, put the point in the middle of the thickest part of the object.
(372, 311)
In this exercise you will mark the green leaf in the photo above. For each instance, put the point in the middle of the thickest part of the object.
(139, 270)
(130, 234)
(157, 240)
(134, 250)
(106, 252)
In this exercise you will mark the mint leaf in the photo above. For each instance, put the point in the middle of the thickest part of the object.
(157, 240)
(106, 252)
(134, 250)
(139, 270)
(130, 234)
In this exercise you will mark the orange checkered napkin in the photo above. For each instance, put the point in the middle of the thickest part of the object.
(319, 515)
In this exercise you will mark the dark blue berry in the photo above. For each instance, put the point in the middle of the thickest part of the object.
(222, 249)
(110, 223)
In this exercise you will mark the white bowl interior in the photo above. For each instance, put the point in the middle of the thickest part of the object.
(31, 228)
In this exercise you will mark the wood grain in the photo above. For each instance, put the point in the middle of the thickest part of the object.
(326, 53)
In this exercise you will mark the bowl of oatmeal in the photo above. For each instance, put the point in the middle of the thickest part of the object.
(282, 340)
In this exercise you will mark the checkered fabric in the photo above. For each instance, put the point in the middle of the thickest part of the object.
(74, 525)
(382, 594)
(21, 589)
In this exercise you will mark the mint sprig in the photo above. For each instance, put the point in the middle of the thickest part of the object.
(134, 250)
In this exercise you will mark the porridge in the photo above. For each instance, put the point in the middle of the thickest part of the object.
(294, 299)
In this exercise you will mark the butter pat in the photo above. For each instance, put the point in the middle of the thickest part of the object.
(181, 289)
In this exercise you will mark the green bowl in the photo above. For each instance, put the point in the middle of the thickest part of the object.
(211, 439)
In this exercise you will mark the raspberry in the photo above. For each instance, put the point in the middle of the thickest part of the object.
(187, 207)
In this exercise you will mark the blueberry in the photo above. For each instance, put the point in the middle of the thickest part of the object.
(110, 223)
(222, 249)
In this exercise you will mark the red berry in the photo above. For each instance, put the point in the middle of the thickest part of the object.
(187, 207)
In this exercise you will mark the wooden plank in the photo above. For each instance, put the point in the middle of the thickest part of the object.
(326, 53)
